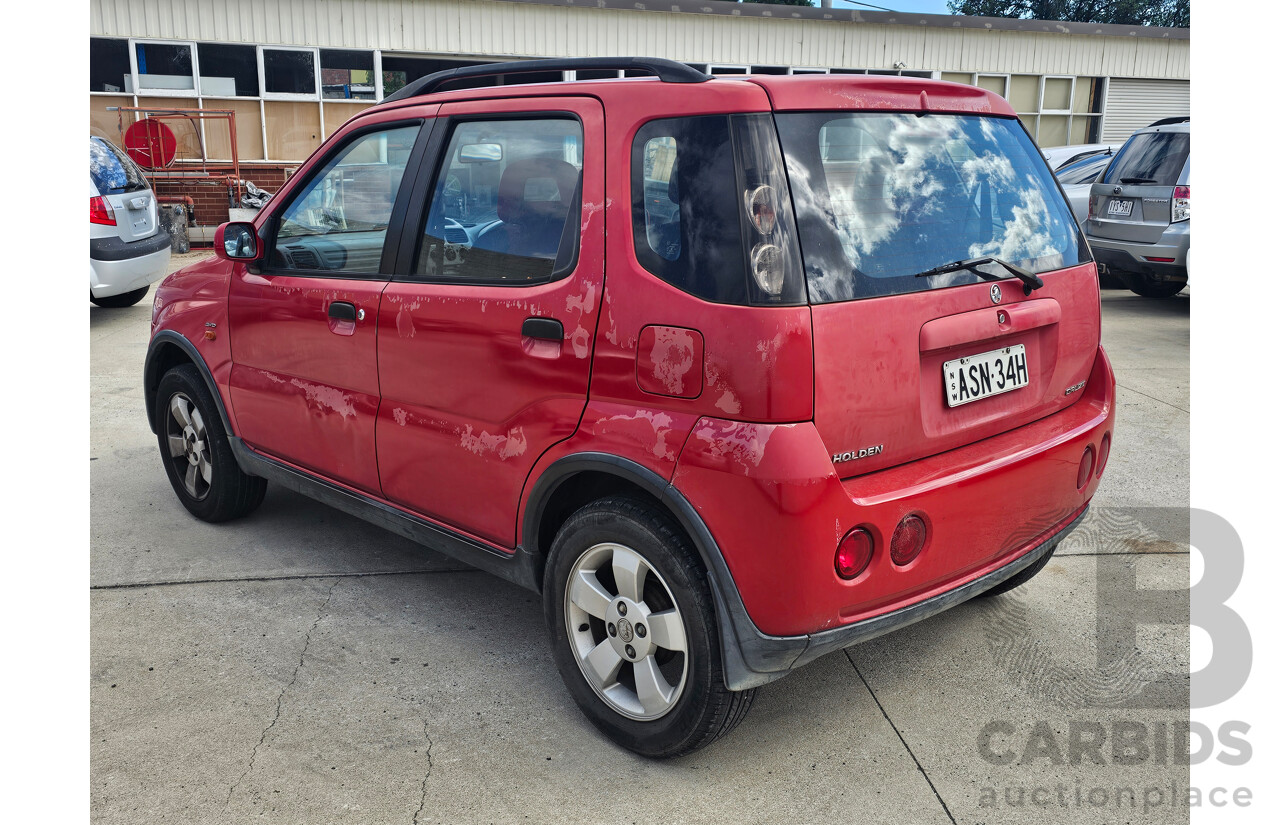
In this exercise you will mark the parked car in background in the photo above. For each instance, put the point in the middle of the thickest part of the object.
(1060, 156)
(834, 367)
(1077, 178)
(128, 250)
(1139, 221)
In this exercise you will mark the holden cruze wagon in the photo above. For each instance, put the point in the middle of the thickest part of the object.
(734, 372)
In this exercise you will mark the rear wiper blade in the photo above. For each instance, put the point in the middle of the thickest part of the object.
(1136, 180)
(1030, 280)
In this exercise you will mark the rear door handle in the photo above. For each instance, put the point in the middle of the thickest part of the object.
(342, 311)
(547, 329)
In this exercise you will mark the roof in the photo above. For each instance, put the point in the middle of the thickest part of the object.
(836, 16)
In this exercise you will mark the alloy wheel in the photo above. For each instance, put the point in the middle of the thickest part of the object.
(626, 631)
(189, 446)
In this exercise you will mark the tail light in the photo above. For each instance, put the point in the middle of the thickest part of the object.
(854, 553)
(1104, 450)
(1181, 203)
(1086, 468)
(908, 540)
(101, 212)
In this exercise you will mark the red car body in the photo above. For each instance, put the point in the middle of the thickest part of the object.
(434, 415)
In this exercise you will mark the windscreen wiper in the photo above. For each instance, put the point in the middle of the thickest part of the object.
(1029, 280)
(1136, 180)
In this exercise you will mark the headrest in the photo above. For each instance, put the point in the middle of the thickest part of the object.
(673, 184)
(535, 185)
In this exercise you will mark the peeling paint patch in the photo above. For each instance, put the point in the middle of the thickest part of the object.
(742, 443)
(659, 427)
(401, 416)
(511, 445)
(326, 398)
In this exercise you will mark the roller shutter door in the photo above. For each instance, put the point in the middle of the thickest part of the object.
(1133, 103)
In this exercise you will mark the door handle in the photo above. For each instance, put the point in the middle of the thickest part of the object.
(547, 329)
(342, 311)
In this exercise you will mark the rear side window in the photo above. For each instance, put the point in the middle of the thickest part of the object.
(710, 214)
(111, 170)
(507, 203)
(1151, 157)
(881, 197)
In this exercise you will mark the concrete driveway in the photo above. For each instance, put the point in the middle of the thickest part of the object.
(302, 666)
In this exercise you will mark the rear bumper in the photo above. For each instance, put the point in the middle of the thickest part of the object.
(117, 266)
(1133, 257)
(771, 501)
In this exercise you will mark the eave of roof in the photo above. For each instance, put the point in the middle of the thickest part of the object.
(884, 18)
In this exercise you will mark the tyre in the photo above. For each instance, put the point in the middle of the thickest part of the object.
(197, 454)
(1148, 288)
(633, 630)
(126, 299)
(1021, 578)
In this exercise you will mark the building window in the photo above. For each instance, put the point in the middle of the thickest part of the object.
(164, 68)
(109, 69)
(347, 75)
(1058, 110)
(289, 72)
(228, 71)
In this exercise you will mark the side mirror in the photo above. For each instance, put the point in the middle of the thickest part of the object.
(236, 241)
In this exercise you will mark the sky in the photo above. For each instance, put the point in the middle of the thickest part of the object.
(918, 6)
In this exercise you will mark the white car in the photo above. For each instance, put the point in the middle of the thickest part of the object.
(1059, 156)
(128, 250)
(1077, 179)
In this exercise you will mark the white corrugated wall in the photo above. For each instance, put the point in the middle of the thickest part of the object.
(1136, 102)
(483, 27)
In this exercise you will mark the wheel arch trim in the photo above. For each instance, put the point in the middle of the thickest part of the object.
(750, 658)
(151, 377)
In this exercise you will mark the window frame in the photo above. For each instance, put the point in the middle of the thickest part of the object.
(444, 127)
(395, 223)
(315, 72)
(139, 91)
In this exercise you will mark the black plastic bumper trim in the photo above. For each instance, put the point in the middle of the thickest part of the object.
(118, 249)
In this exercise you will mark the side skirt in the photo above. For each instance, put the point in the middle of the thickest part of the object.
(517, 568)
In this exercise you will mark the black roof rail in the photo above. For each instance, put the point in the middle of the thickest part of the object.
(668, 71)
(1169, 121)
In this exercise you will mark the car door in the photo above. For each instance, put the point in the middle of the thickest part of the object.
(304, 380)
(484, 343)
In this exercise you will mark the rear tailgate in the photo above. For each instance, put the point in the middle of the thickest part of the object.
(882, 397)
(1134, 200)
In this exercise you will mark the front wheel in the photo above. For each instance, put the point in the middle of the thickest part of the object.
(633, 630)
(197, 454)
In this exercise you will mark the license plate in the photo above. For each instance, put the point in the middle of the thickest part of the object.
(975, 377)
(1120, 207)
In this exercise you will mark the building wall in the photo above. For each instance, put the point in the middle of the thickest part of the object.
(489, 27)
(275, 133)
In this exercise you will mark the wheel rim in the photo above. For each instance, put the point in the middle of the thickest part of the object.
(626, 632)
(188, 442)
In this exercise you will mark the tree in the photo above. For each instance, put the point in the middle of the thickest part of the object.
(1176, 13)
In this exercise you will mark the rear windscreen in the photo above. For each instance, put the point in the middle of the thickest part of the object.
(880, 197)
(111, 170)
(1151, 157)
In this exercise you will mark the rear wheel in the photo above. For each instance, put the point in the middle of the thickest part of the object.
(197, 454)
(126, 299)
(633, 630)
(1149, 288)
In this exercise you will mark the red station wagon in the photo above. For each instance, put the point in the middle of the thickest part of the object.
(735, 372)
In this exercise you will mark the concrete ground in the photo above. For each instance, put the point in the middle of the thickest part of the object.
(302, 666)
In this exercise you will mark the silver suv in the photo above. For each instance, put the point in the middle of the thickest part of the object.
(1139, 224)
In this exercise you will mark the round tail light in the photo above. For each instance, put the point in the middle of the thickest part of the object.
(908, 540)
(854, 553)
(1086, 468)
(1104, 452)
